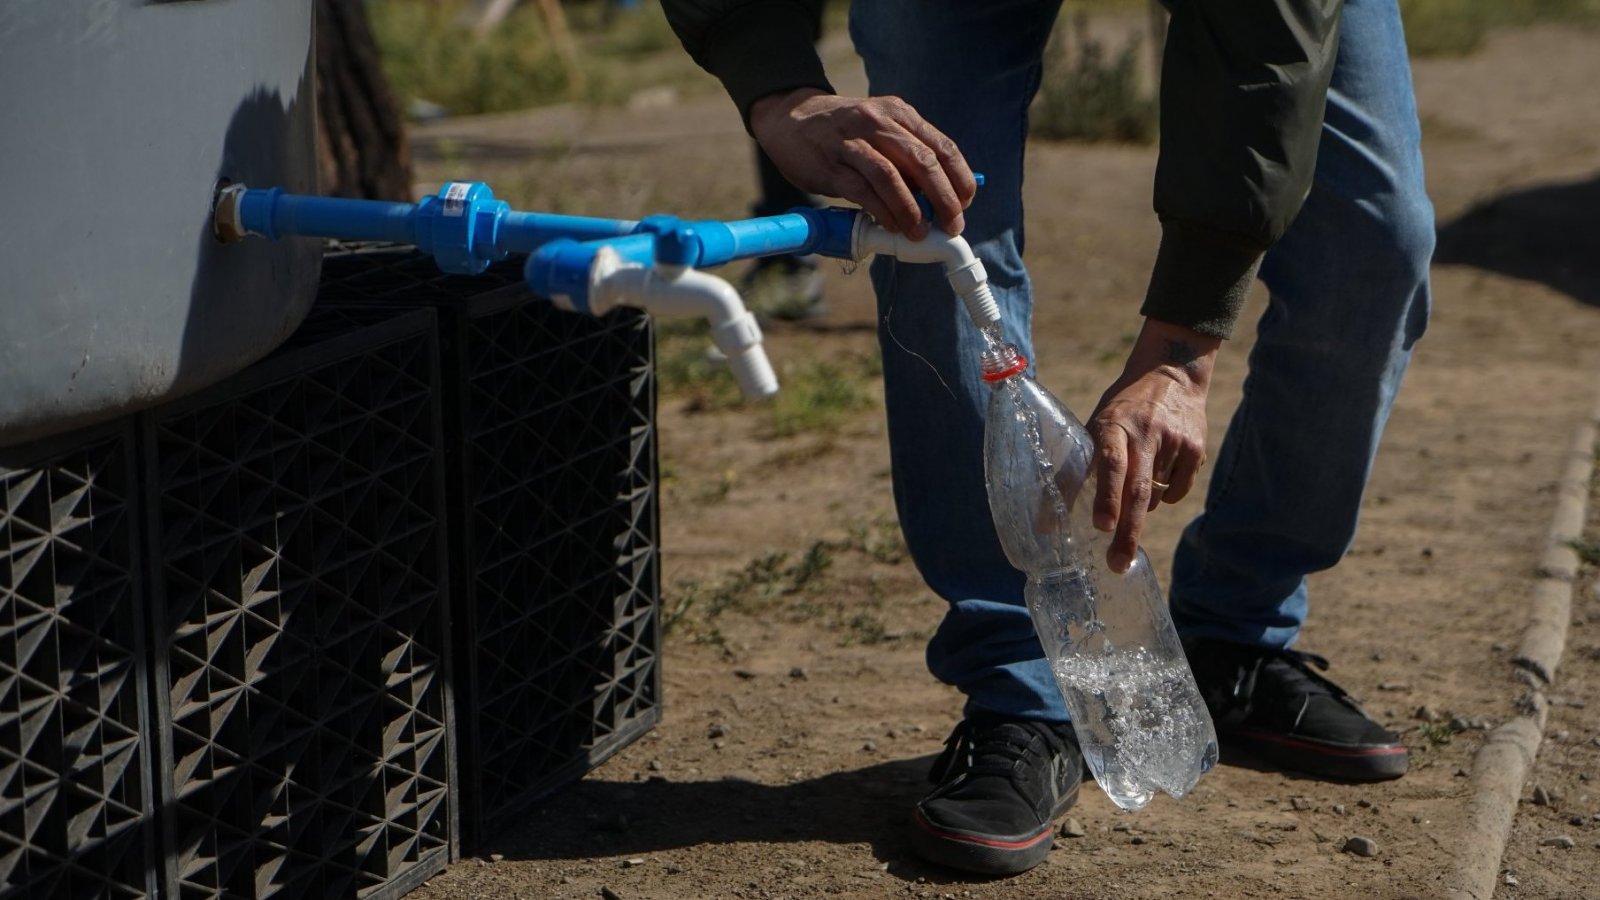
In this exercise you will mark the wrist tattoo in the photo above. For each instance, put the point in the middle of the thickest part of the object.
(1179, 353)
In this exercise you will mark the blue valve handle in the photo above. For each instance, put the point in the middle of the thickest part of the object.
(927, 207)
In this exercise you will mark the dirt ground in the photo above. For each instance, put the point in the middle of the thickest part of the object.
(799, 718)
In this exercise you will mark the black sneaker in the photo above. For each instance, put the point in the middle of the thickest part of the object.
(1269, 704)
(1001, 785)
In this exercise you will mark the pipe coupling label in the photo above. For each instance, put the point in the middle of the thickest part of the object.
(455, 198)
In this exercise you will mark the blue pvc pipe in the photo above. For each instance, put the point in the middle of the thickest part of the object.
(276, 214)
(465, 229)
(724, 242)
(711, 243)
(524, 232)
(463, 226)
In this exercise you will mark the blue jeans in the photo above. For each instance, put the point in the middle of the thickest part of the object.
(1349, 297)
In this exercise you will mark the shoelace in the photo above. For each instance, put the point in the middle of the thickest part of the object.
(974, 749)
(1300, 676)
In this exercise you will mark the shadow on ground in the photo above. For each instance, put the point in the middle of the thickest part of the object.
(870, 806)
(606, 818)
(1546, 234)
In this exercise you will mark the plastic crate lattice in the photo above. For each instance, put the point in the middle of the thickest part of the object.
(74, 799)
(552, 425)
(299, 545)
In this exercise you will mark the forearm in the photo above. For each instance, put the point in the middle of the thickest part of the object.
(1174, 351)
(1150, 431)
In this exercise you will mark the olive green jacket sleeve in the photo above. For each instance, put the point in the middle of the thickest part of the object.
(1243, 89)
(754, 47)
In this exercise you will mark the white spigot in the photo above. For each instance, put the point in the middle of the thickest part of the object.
(964, 270)
(679, 291)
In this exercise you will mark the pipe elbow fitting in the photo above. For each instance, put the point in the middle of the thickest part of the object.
(680, 291)
(734, 330)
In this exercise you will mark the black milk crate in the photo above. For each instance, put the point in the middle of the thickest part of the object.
(301, 624)
(550, 425)
(75, 796)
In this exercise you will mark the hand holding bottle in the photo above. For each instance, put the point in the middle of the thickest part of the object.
(1150, 432)
(1108, 636)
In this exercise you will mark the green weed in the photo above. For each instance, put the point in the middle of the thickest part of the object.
(429, 54)
(796, 588)
(712, 635)
(815, 397)
(717, 491)
(1458, 27)
(688, 593)
(623, 33)
(1588, 551)
(685, 369)
(1437, 734)
(802, 454)
(817, 559)
(760, 580)
(1087, 94)
(866, 629)
(880, 540)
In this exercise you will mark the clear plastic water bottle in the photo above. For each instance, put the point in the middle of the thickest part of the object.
(1108, 637)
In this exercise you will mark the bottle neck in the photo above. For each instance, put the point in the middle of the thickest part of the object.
(1001, 362)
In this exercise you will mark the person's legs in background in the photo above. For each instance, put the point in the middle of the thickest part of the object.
(1349, 297)
(787, 287)
(783, 287)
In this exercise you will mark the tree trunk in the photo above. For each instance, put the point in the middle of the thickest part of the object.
(361, 139)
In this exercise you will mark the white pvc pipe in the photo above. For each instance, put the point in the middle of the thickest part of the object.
(964, 270)
(675, 291)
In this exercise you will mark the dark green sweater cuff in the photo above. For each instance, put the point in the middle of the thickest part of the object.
(764, 48)
(1201, 278)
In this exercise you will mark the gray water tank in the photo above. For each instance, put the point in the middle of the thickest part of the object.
(117, 118)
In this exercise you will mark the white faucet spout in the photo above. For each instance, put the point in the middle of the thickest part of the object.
(964, 270)
(674, 291)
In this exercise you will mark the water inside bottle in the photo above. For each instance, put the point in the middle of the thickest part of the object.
(1136, 721)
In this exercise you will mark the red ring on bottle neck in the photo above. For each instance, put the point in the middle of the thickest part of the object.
(1003, 374)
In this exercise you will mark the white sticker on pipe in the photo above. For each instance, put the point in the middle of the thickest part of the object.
(455, 198)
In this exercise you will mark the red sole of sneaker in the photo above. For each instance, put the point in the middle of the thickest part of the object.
(972, 853)
(1378, 763)
(987, 855)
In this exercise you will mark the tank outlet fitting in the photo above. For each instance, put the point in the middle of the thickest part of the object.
(226, 223)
